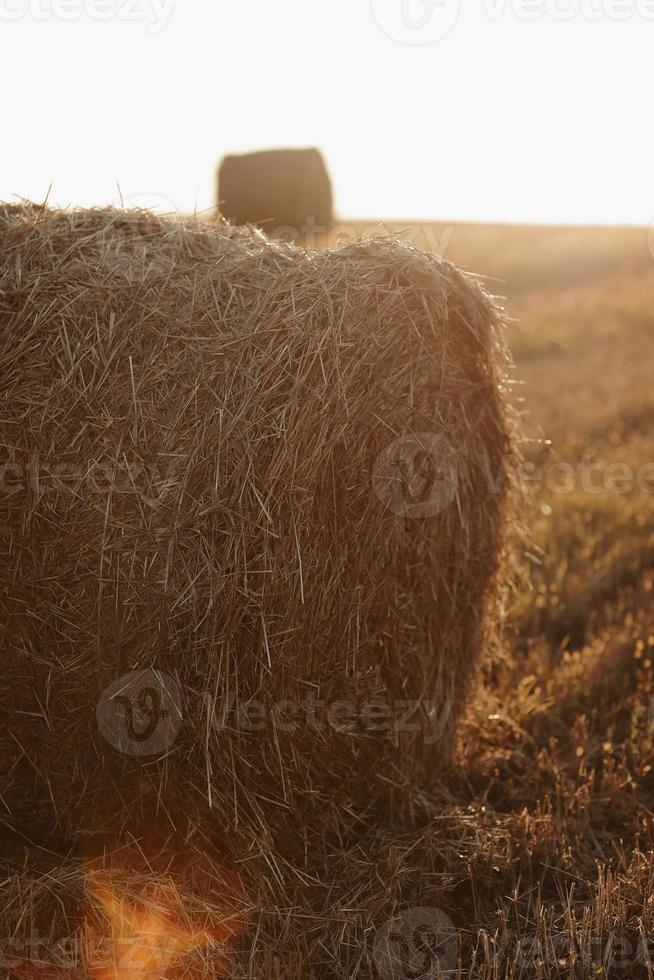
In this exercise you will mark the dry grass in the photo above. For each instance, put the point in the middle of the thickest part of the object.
(541, 849)
(194, 420)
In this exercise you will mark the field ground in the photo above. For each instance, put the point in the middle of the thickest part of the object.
(547, 852)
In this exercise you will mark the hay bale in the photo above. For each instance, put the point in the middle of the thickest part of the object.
(279, 190)
(250, 535)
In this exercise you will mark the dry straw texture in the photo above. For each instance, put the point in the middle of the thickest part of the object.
(197, 478)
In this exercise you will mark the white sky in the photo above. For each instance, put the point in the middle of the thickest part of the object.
(504, 118)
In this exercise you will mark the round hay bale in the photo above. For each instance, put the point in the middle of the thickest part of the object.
(282, 191)
(252, 502)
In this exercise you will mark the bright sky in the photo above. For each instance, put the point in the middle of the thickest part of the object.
(526, 110)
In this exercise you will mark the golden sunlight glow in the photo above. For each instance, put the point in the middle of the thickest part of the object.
(143, 939)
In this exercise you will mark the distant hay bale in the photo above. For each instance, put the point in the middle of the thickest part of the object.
(252, 506)
(283, 191)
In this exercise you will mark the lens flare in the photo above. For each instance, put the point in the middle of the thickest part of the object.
(145, 938)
